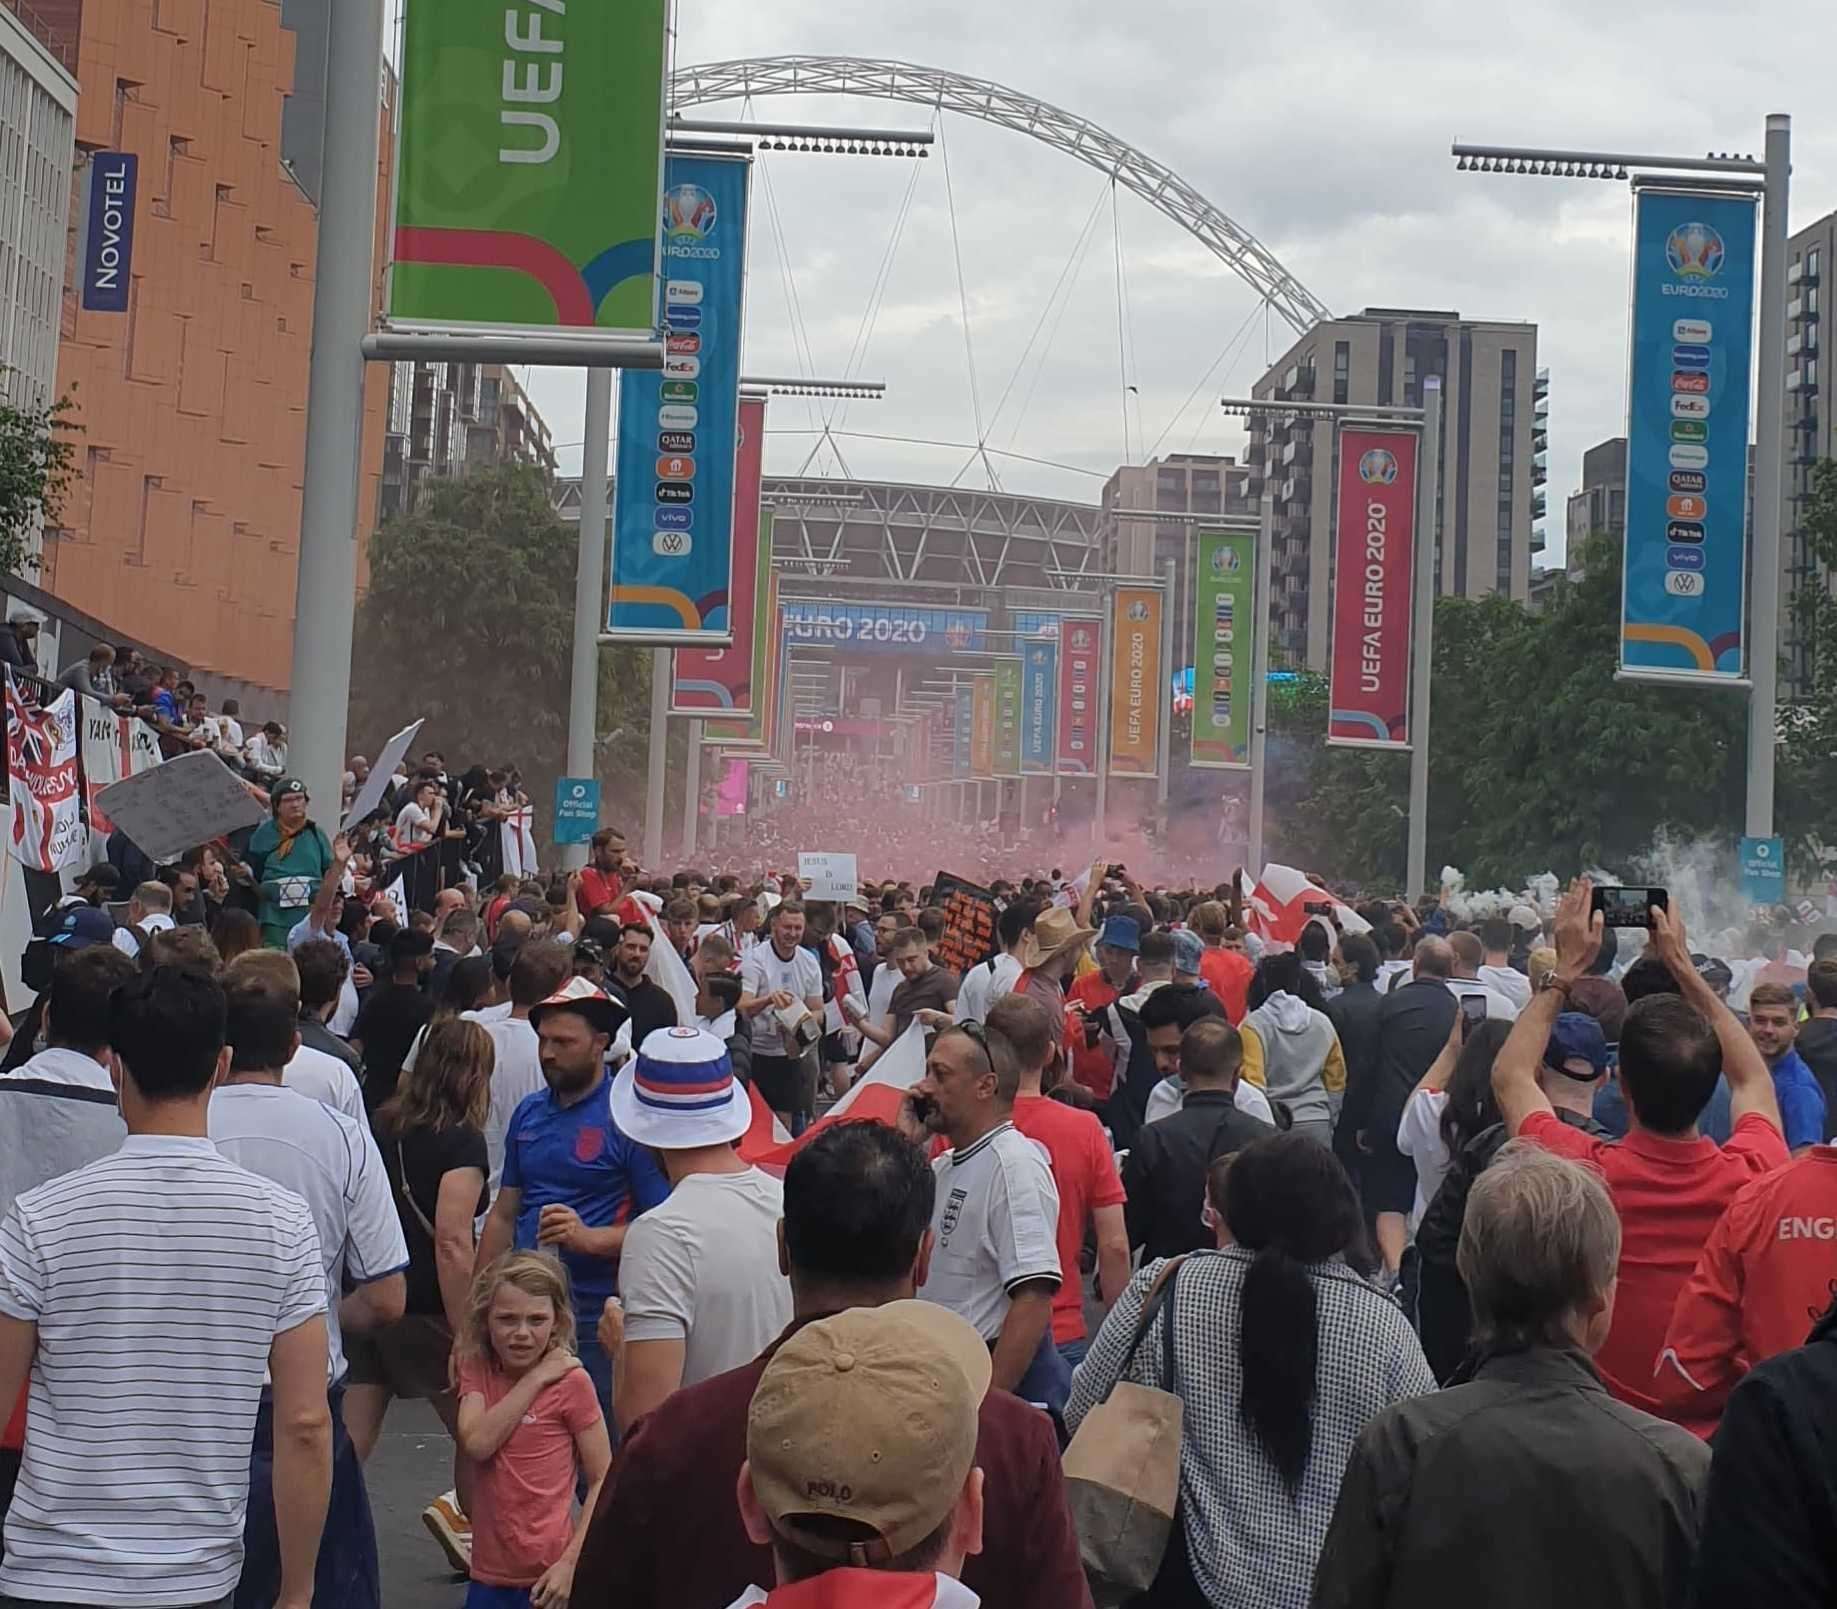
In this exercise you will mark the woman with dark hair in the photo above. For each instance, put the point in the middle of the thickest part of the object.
(235, 931)
(1282, 1354)
(1291, 1050)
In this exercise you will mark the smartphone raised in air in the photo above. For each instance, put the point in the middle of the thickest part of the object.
(1628, 907)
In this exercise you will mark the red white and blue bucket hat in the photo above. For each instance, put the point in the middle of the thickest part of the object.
(680, 1093)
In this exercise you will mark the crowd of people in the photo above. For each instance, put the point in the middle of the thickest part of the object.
(750, 1254)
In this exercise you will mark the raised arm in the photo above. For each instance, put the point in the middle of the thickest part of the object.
(1578, 942)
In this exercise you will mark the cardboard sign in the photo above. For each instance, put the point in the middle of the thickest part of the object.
(184, 802)
(829, 876)
(370, 795)
(969, 923)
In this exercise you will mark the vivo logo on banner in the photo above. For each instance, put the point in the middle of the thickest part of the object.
(108, 236)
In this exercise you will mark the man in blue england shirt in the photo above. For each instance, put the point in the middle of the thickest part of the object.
(572, 1181)
(1773, 1025)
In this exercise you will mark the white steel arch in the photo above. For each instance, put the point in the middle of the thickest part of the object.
(1153, 181)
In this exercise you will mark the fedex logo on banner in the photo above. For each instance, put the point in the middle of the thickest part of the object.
(1373, 592)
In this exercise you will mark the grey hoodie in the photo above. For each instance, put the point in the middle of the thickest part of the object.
(1298, 1043)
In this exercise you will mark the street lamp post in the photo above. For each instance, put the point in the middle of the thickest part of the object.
(1422, 629)
(1773, 174)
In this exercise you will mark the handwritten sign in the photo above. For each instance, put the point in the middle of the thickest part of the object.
(184, 802)
(829, 876)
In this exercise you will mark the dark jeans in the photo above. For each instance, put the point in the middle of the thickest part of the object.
(347, 1573)
(1048, 1380)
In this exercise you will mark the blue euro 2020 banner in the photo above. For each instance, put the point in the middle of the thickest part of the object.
(1039, 706)
(885, 628)
(672, 547)
(1684, 597)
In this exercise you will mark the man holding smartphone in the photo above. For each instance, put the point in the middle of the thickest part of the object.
(1669, 1185)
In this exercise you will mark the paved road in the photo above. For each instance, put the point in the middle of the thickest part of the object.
(412, 1463)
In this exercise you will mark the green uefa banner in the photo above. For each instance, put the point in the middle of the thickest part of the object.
(1007, 717)
(530, 166)
(1224, 619)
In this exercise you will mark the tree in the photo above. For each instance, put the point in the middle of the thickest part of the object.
(1807, 772)
(469, 621)
(37, 462)
(1539, 759)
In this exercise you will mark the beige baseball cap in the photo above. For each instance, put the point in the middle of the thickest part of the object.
(869, 1416)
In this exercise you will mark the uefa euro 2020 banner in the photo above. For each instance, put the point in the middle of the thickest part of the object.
(1684, 594)
(673, 516)
(529, 165)
(719, 681)
(1224, 621)
(1138, 683)
(1369, 694)
(1039, 705)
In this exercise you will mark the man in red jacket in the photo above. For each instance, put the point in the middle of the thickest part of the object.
(1093, 1055)
(856, 1233)
(1762, 1280)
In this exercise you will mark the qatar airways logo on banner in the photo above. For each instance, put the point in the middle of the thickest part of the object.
(1373, 591)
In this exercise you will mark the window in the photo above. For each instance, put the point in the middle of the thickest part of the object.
(1342, 371)
(1811, 262)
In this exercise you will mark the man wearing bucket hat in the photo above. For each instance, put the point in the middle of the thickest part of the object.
(573, 1180)
(1090, 997)
(699, 1279)
(861, 1460)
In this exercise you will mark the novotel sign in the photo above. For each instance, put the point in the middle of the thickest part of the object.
(108, 234)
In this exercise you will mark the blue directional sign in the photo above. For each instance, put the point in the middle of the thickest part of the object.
(577, 809)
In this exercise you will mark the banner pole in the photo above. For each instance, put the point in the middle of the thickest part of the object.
(1259, 669)
(658, 758)
(1764, 588)
(1428, 489)
(589, 593)
(326, 588)
(692, 793)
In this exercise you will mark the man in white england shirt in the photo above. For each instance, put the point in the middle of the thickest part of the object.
(996, 1222)
(774, 977)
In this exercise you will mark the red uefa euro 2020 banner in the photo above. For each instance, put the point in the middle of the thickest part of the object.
(1080, 645)
(1370, 695)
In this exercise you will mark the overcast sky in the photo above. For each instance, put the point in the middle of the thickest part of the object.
(1321, 126)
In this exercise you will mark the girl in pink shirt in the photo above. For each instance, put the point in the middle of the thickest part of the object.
(529, 1420)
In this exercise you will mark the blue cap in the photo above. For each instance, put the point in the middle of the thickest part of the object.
(1188, 948)
(81, 926)
(1576, 1037)
(1121, 933)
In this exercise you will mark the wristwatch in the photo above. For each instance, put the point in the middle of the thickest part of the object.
(1562, 986)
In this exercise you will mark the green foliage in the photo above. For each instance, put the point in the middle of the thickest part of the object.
(469, 621)
(37, 462)
(1539, 759)
(1807, 773)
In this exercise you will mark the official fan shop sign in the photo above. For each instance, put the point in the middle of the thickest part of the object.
(577, 809)
(1039, 705)
(42, 782)
(529, 165)
(1369, 695)
(674, 499)
(719, 681)
(1080, 645)
(969, 923)
(107, 246)
(114, 746)
(1684, 599)
(1224, 623)
(829, 876)
(1137, 691)
(186, 801)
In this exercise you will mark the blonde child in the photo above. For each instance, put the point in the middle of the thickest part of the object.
(529, 1420)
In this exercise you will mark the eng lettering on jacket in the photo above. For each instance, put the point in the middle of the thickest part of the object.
(1808, 1229)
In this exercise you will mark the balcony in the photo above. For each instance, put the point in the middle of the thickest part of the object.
(1801, 274)
(1796, 381)
(1539, 507)
(1300, 451)
(1795, 345)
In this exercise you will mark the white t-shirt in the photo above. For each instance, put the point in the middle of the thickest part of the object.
(1390, 972)
(1498, 1007)
(887, 978)
(516, 1071)
(1510, 982)
(703, 1269)
(153, 922)
(321, 1075)
(995, 1225)
(983, 985)
(1169, 1096)
(764, 972)
(413, 825)
(187, 1268)
(485, 1016)
(1419, 1137)
(332, 1164)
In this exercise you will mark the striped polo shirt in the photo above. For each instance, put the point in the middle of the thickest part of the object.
(158, 1278)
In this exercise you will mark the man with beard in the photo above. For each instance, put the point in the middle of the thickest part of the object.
(570, 1175)
(649, 1006)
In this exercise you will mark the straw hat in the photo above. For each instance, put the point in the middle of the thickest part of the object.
(1056, 930)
